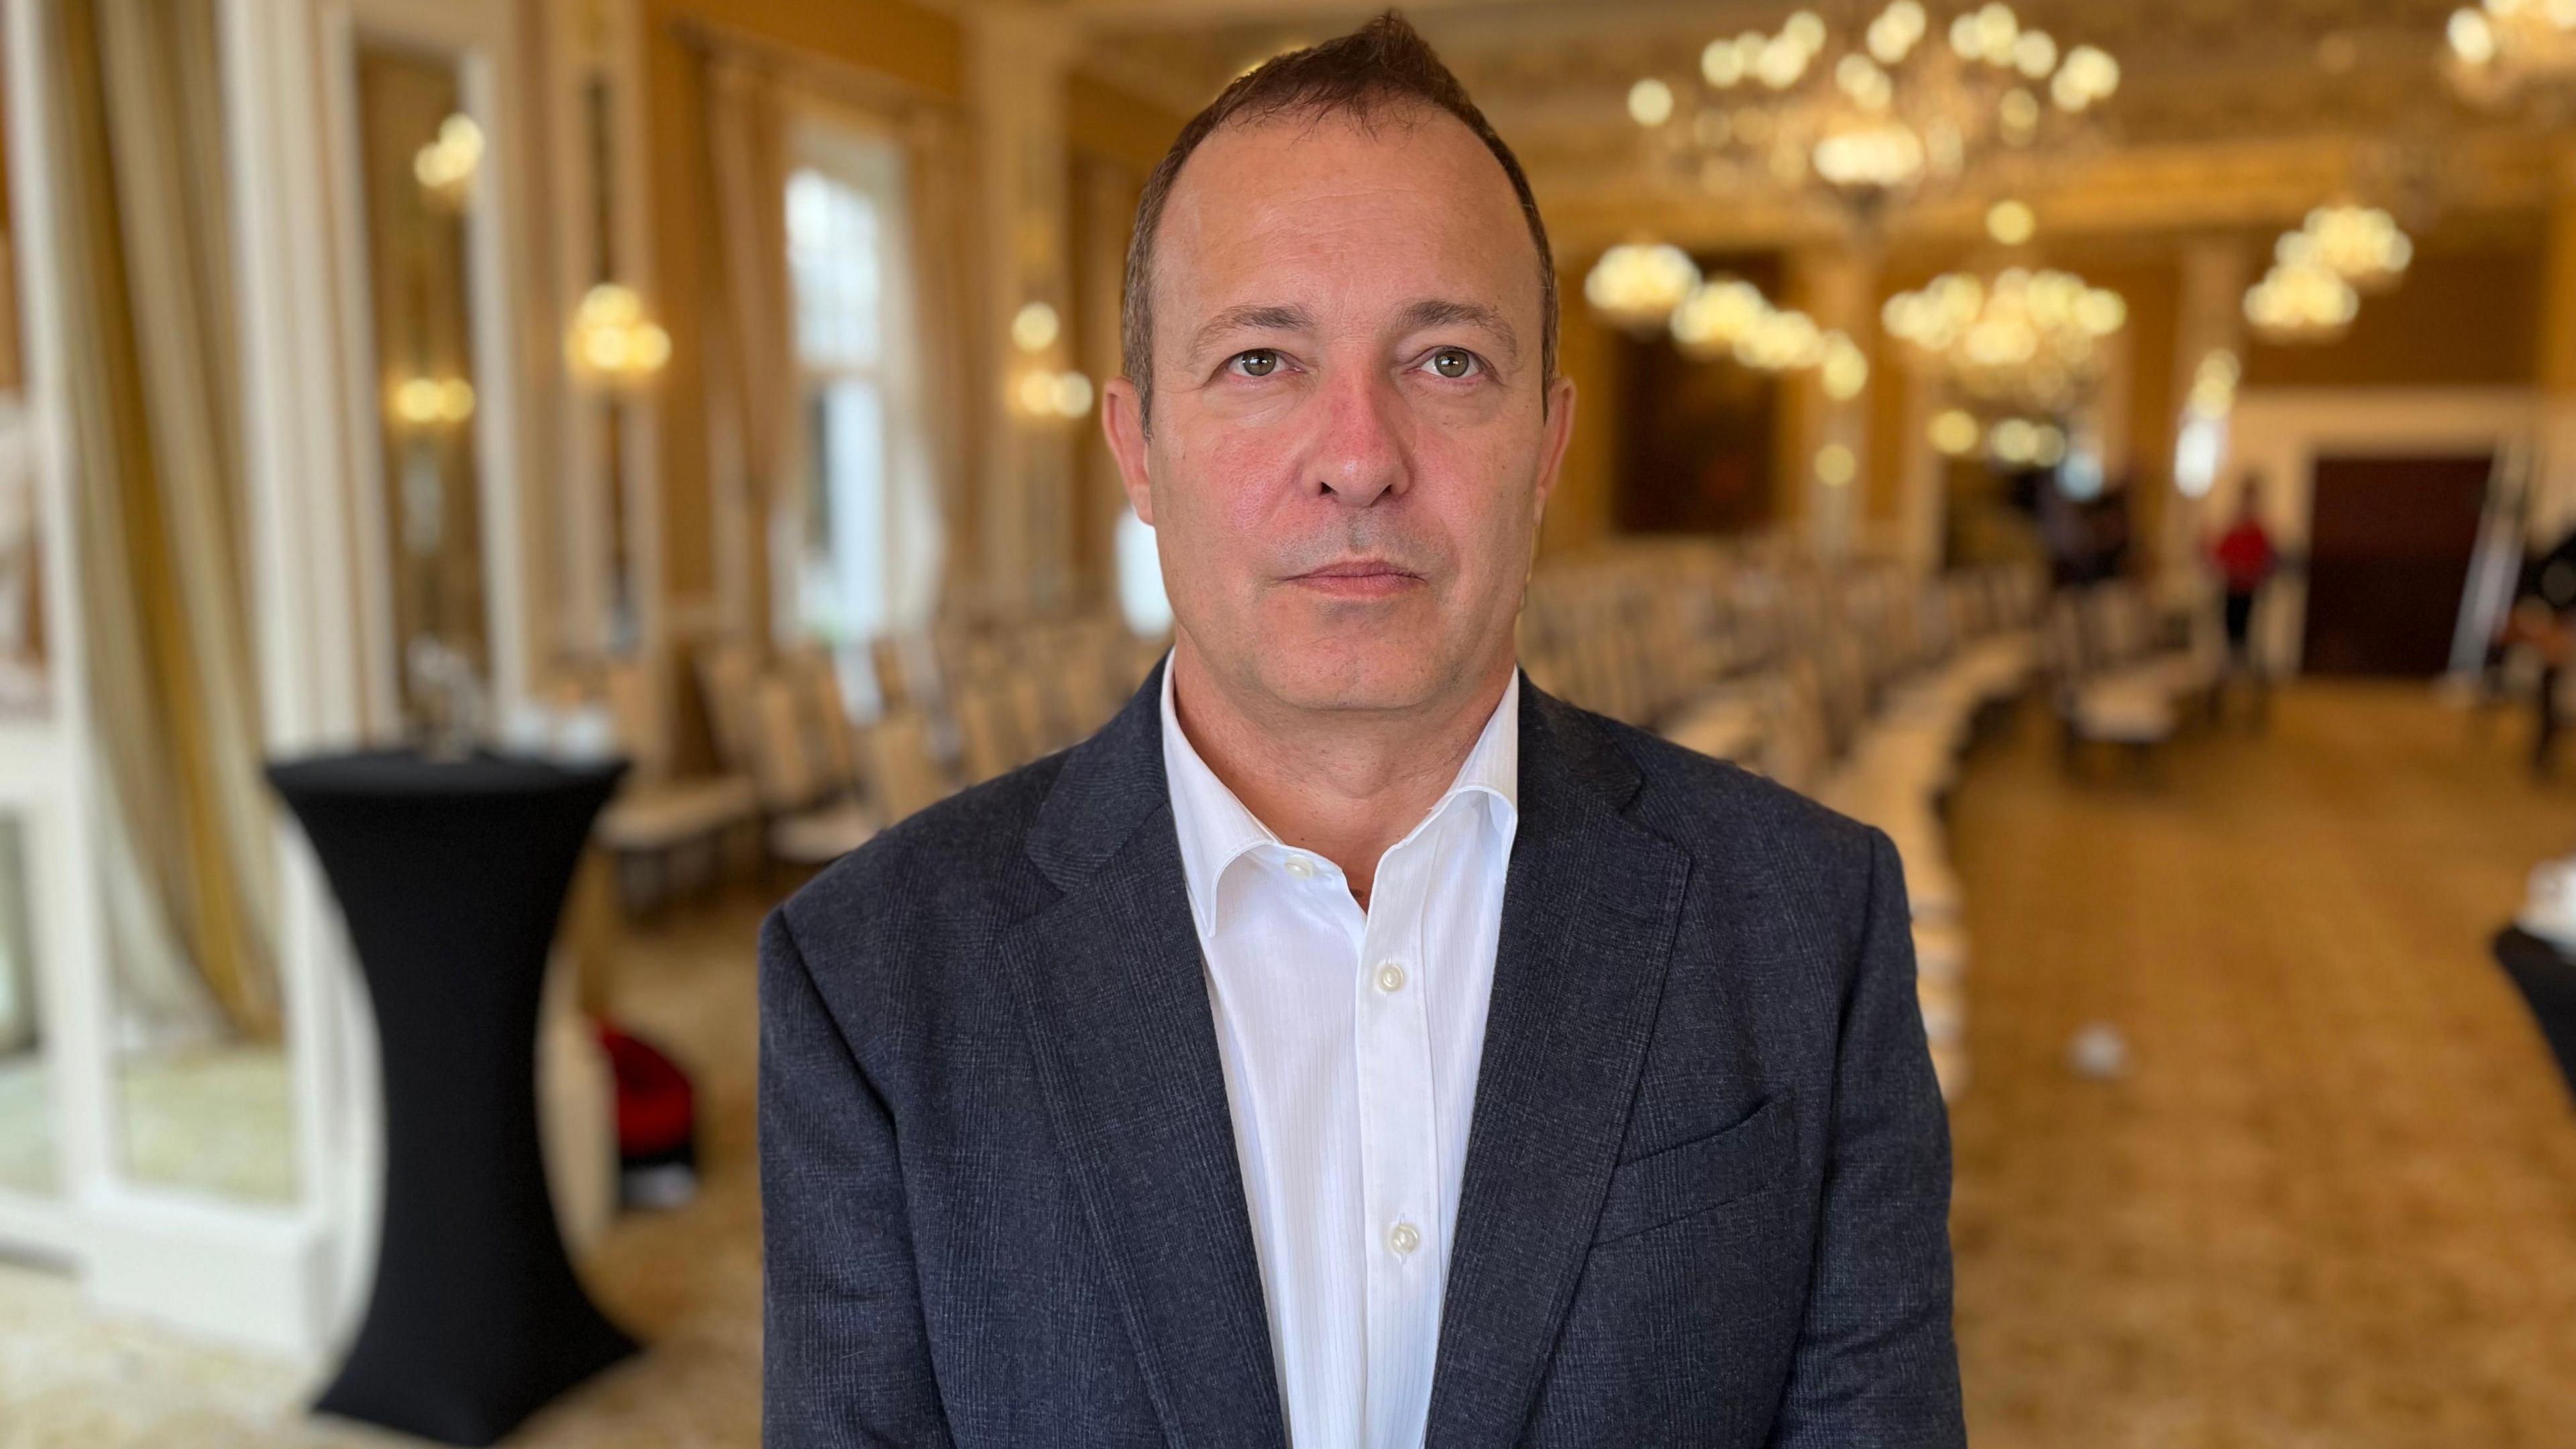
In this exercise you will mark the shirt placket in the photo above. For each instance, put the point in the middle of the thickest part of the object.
(1399, 1150)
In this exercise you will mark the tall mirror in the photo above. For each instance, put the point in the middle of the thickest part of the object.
(420, 155)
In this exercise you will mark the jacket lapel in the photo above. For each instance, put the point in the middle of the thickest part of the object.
(1114, 997)
(1590, 908)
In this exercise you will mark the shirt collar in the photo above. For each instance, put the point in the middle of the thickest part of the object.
(1216, 830)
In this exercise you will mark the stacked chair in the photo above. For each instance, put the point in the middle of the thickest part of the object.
(827, 747)
(1858, 685)
(2128, 673)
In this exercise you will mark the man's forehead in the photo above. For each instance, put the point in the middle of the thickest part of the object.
(1260, 193)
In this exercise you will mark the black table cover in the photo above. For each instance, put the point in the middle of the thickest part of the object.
(2548, 980)
(452, 876)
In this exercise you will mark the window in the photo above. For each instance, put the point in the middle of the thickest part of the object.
(863, 554)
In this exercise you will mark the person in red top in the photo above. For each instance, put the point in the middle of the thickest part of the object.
(2245, 561)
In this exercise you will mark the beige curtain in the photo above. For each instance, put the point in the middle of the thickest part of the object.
(151, 359)
(943, 238)
(751, 358)
(753, 94)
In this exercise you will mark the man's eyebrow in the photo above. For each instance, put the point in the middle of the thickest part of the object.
(1257, 317)
(1444, 312)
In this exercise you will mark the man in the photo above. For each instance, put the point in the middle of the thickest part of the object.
(1350, 1044)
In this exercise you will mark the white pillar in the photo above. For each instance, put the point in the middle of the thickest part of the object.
(2209, 317)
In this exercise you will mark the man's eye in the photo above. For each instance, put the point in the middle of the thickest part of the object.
(1454, 362)
(1259, 362)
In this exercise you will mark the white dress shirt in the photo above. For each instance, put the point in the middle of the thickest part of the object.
(1350, 1042)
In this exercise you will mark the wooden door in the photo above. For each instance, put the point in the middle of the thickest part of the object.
(2388, 557)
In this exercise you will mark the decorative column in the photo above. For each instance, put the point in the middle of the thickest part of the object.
(2553, 500)
(1016, 81)
(1922, 470)
(1827, 438)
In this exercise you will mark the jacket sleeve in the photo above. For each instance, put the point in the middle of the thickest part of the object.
(1876, 1363)
(846, 1354)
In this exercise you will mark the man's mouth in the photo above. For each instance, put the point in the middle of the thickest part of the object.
(1362, 578)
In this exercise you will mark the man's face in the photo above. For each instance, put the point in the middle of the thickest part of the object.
(1351, 437)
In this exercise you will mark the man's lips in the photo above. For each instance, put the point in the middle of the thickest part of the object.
(1358, 579)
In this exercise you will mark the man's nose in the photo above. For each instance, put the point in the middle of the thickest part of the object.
(1362, 453)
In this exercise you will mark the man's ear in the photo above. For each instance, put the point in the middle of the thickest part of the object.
(1122, 421)
(1560, 429)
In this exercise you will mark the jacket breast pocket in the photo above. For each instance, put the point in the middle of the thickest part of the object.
(1704, 1173)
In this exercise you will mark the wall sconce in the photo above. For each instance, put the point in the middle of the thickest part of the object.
(1035, 327)
(611, 343)
(445, 167)
(1046, 394)
(418, 404)
(1042, 392)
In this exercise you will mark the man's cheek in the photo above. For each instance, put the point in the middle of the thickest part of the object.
(1243, 481)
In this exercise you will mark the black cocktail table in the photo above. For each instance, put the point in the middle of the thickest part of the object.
(2548, 981)
(452, 876)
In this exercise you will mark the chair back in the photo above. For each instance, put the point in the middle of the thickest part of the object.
(628, 689)
(729, 679)
(825, 719)
(782, 771)
(903, 773)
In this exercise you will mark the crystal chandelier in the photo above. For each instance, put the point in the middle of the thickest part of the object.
(2361, 244)
(2026, 343)
(1637, 285)
(1644, 287)
(2013, 442)
(1729, 317)
(2503, 51)
(2320, 271)
(1872, 117)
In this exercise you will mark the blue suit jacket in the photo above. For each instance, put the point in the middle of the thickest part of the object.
(1707, 1178)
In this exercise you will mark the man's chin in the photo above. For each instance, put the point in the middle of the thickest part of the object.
(1374, 674)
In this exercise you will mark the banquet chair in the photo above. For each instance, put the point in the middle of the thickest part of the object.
(658, 818)
(813, 819)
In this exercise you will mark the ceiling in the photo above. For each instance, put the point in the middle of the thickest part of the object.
(2230, 112)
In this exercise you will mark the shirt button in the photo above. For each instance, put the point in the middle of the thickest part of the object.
(1403, 1238)
(1298, 866)
(1390, 978)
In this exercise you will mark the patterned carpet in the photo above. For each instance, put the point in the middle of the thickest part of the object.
(2333, 1203)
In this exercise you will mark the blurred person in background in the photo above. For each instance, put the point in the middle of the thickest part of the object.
(2245, 560)
(1352, 1045)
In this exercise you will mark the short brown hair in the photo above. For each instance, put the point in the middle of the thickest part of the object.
(1382, 66)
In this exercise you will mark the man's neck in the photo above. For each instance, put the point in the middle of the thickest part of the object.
(1345, 784)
